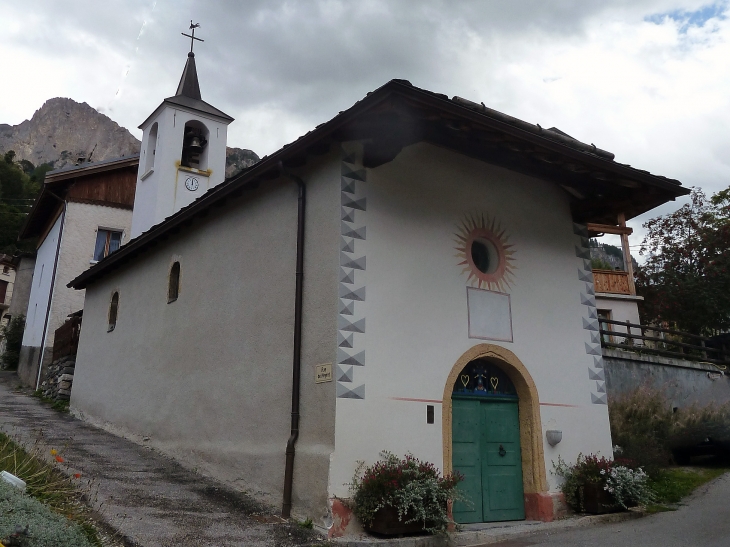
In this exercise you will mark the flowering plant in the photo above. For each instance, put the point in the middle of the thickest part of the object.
(628, 486)
(414, 488)
(621, 478)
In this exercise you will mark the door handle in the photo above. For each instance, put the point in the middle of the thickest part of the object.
(502, 451)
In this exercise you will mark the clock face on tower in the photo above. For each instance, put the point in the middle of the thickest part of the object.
(191, 183)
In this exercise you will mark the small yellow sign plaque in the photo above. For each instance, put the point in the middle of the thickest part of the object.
(323, 373)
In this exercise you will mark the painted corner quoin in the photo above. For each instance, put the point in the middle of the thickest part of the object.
(350, 367)
(590, 314)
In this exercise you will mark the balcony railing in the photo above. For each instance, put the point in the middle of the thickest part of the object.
(663, 342)
(611, 281)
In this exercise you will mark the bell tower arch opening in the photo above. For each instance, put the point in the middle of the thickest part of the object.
(194, 152)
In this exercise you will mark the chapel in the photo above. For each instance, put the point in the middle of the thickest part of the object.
(411, 275)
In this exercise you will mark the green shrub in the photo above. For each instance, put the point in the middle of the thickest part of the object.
(46, 484)
(45, 528)
(694, 424)
(415, 488)
(629, 487)
(600, 264)
(646, 429)
(13, 335)
(626, 483)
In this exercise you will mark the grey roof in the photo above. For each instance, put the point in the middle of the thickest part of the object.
(197, 104)
(188, 95)
(581, 165)
(188, 85)
(89, 165)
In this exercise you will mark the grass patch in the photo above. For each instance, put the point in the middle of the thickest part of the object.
(55, 404)
(45, 484)
(673, 484)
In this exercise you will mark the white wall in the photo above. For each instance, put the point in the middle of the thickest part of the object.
(416, 309)
(208, 377)
(163, 192)
(41, 288)
(621, 310)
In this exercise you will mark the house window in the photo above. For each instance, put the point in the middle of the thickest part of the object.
(107, 241)
(113, 309)
(6, 269)
(3, 291)
(173, 287)
(605, 314)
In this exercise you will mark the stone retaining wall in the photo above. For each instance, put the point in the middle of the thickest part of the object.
(684, 382)
(59, 379)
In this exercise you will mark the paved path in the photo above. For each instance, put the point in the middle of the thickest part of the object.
(152, 500)
(702, 521)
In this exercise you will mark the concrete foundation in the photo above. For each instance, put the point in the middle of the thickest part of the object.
(28, 364)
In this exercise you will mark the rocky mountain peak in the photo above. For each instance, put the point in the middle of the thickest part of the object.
(62, 131)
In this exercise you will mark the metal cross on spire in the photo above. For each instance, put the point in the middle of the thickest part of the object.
(192, 35)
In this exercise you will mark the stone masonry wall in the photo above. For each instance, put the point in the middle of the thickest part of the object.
(59, 379)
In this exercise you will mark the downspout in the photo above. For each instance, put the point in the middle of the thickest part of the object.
(297, 357)
(50, 293)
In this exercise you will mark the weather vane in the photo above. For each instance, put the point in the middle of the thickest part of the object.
(192, 35)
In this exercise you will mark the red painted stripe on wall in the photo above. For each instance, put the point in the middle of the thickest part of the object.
(559, 404)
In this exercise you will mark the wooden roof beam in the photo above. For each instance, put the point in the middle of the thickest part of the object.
(608, 229)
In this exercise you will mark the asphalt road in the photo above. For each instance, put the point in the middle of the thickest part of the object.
(702, 521)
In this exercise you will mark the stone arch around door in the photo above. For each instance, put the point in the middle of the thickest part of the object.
(534, 477)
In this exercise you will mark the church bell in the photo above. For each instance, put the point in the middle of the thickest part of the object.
(195, 146)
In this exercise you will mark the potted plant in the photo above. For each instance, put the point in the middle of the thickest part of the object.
(598, 485)
(402, 496)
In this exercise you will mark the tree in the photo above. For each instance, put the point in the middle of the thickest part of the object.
(685, 280)
(17, 192)
(13, 334)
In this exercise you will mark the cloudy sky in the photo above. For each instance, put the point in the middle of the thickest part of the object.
(645, 79)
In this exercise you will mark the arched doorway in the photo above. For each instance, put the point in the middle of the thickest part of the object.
(500, 396)
(486, 445)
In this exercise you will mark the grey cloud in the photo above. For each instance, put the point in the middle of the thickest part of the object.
(306, 60)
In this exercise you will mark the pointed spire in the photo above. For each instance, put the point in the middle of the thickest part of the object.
(188, 85)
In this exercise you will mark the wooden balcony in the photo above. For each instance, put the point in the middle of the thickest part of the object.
(611, 281)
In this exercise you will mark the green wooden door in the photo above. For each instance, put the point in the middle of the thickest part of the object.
(466, 458)
(486, 450)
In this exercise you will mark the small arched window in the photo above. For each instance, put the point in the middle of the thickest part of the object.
(113, 309)
(151, 149)
(173, 287)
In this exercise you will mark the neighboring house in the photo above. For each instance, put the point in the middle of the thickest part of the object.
(412, 276)
(23, 263)
(616, 298)
(82, 214)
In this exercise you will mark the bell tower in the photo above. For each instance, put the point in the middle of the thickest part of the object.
(183, 151)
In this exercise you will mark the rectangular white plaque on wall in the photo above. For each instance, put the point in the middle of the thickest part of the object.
(323, 373)
(490, 315)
